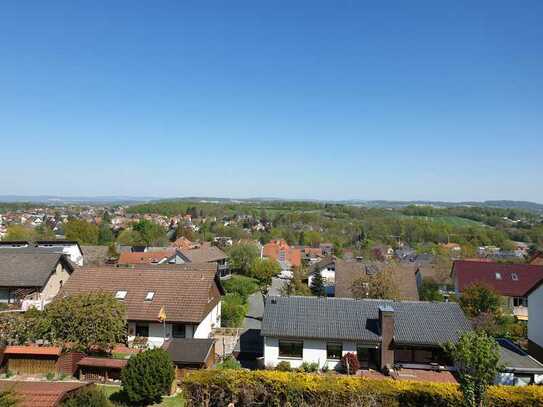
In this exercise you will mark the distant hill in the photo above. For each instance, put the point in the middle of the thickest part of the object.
(101, 200)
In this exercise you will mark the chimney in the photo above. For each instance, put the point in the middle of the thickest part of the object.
(386, 328)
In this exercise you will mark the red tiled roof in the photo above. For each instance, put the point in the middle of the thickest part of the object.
(40, 394)
(33, 350)
(103, 362)
(273, 249)
(512, 280)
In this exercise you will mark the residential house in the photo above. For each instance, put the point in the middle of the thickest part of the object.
(383, 334)
(519, 368)
(279, 250)
(343, 273)
(190, 300)
(165, 256)
(206, 253)
(32, 277)
(95, 255)
(535, 323)
(511, 281)
(182, 243)
(68, 247)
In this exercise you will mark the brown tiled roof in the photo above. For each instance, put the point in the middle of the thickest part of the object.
(145, 257)
(32, 350)
(186, 295)
(103, 362)
(41, 394)
(349, 271)
(204, 254)
(95, 255)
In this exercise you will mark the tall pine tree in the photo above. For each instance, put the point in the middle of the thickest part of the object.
(317, 284)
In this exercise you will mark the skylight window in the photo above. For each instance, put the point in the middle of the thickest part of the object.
(120, 295)
(514, 276)
(150, 295)
(498, 276)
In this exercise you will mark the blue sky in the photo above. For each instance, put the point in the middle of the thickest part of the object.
(296, 99)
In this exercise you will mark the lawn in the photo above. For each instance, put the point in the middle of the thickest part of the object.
(113, 392)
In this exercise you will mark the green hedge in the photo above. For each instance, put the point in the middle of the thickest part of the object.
(216, 388)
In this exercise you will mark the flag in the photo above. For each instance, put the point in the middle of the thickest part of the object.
(162, 315)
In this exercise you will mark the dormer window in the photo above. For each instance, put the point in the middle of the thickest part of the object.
(514, 276)
(120, 295)
(150, 295)
(498, 276)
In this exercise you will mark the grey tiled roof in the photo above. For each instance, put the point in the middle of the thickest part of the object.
(28, 268)
(514, 358)
(189, 350)
(415, 322)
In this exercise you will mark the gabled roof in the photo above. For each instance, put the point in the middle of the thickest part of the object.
(29, 268)
(152, 257)
(189, 350)
(110, 363)
(347, 272)
(186, 295)
(204, 254)
(41, 394)
(415, 322)
(512, 280)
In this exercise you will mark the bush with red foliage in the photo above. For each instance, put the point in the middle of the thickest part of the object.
(349, 363)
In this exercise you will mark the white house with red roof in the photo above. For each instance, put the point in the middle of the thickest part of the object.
(511, 281)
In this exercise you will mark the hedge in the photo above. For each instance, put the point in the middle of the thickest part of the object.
(217, 388)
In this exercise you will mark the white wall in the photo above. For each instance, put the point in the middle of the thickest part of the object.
(535, 322)
(314, 352)
(329, 274)
(212, 320)
(202, 331)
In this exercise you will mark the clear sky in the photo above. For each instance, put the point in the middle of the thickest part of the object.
(297, 99)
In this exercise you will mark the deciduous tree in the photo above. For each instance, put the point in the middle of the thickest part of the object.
(477, 357)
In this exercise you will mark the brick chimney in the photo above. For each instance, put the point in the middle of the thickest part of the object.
(386, 328)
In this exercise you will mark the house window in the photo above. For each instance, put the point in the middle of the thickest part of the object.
(178, 331)
(150, 295)
(514, 276)
(498, 276)
(120, 295)
(142, 330)
(520, 302)
(291, 349)
(334, 350)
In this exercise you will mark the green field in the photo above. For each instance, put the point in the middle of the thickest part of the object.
(448, 220)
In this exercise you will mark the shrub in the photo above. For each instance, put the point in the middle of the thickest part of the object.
(50, 375)
(148, 376)
(241, 285)
(349, 364)
(283, 366)
(229, 363)
(309, 367)
(87, 397)
(233, 310)
(8, 399)
(215, 388)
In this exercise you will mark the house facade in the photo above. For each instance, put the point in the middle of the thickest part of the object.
(32, 278)
(535, 323)
(383, 334)
(512, 281)
(162, 303)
